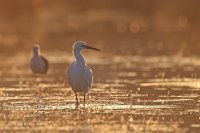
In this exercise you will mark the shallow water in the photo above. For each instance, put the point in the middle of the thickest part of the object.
(130, 93)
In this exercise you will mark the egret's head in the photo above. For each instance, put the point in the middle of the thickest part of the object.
(36, 49)
(80, 45)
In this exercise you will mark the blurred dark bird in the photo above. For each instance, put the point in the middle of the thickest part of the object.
(38, 64)
(79, 74)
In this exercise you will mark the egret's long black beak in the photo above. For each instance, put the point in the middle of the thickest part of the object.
(88, 47)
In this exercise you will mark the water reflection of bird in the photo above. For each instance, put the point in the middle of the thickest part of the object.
(39, 64)
(79, 74)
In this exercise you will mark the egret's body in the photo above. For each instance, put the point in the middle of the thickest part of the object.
(79, 74)
(80, 77)
(38, 64)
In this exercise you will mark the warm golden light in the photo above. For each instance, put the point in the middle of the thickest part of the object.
(144, 57)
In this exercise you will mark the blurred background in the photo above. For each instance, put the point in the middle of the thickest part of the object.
(120, 27)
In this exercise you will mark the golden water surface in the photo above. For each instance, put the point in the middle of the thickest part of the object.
(141, 94)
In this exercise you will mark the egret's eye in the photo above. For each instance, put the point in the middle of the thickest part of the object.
(83, 45)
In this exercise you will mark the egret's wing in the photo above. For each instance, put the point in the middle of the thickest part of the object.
(69, 73)
(88, 76)
(46, 67)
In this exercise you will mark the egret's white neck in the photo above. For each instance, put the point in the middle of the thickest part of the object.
(79, 57)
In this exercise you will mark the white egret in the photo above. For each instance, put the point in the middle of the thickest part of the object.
(38, 64)
(79, 74)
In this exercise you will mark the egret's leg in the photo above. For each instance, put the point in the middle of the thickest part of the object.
(76, 99)
(84, 98)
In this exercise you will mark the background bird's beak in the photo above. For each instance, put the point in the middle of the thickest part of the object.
(88, 47)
